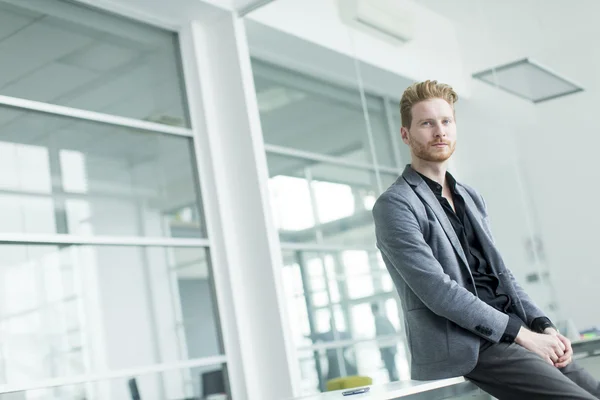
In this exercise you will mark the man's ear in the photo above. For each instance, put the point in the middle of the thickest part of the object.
(404, 134)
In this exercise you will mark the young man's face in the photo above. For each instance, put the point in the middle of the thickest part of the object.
(432, 133)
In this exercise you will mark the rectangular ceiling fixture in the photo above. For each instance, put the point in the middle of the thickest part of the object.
(529, 80)
(389, 20)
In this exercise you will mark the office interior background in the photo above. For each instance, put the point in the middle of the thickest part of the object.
(186, 186)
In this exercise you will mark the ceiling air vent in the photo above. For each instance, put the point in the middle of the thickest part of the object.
(389, 20)
(529, 80)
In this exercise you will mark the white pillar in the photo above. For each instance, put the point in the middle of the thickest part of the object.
(234, 177)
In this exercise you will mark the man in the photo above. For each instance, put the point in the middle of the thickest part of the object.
(465, 313)
(334, 356)
(383, 327)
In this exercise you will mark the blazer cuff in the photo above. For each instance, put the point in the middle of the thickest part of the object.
(539, 324)
(512, 329)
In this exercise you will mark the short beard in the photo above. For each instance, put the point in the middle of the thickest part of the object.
(424, 152)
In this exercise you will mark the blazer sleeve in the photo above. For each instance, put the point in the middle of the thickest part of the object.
(401, 242)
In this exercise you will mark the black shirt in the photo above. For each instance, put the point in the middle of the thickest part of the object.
(487, 285)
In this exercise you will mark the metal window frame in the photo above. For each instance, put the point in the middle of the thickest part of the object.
(117, 374)
(125, 122)
(81, 240)
(307, 155)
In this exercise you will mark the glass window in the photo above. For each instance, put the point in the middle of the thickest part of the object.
(365, 358)
(384, 149)
(307, 114)
(348, 283)
(397, 122)
(82, 308)
(64, 175)
(290, 197)
(387, 180)
(68, 54)
(186, 383)
(318, 202)
(358, 273)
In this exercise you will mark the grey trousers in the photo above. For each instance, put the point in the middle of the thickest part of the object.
(509, 371)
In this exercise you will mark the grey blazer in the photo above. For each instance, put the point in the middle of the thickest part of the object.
(444, 321)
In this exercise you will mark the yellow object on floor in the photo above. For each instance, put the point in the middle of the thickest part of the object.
(348, 382)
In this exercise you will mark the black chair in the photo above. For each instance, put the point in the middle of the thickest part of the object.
(213, 382)
(133, 389)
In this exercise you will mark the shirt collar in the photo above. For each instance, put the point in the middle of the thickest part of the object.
(435, 187)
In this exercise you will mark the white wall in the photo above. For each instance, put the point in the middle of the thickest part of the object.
(557, 151)
(488, 158)
(318, 22)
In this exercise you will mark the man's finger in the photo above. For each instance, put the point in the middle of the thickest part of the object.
(566, 342)
(559, 352)
(563, 358)
(568, 347)
(563, 364)
(568, 354)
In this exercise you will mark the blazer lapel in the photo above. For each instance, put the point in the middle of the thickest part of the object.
(425, 193)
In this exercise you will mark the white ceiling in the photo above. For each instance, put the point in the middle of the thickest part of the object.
(559, 34)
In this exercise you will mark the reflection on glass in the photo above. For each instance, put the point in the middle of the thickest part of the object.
(320, 299)
(296, 300)
(68, 310)
(322, 320)
(335, 201)
(391, 312)
(358, 273)
(397, 122)
(304, 113)
(67, 54)
(186, 383)
(340, 318)
(354, 279)
(386, 282)
(323, 203)
(290, 198)
(347, 284)
(363, 324)
(63, 175)
(364, 359)
(384, 148)
(314, 267)
(388, 180)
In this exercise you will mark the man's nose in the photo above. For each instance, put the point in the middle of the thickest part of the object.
(438, 130)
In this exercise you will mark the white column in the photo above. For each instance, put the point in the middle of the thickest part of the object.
(233, 173)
